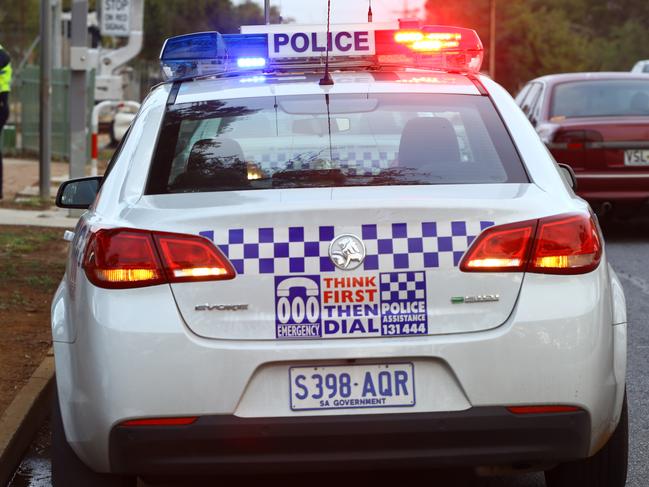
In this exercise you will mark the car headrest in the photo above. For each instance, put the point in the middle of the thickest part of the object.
(209, 156)
(639, 103)
(428, 140)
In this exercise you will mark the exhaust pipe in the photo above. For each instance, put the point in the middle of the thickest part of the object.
(604, 208)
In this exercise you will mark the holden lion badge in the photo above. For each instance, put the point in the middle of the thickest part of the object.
(347, 252)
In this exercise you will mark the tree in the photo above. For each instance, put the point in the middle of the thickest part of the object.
(537, 37)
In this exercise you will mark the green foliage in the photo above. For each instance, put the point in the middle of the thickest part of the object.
(166, 18)
(537, 37)
(19, 26)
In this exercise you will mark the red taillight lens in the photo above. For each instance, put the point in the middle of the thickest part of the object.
(577, 139)
(160, 422)
(502, 248)
(121, 258)
(542, 409)
(189, 258)
(565, 244)
(128, 258)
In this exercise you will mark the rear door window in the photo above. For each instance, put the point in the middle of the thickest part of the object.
(332, 141)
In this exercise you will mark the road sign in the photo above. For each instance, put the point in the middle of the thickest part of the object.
(116, 18)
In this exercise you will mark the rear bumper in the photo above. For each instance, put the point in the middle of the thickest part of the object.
(631, 188)
(228, 444)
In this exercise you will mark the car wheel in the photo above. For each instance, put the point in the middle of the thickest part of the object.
(68, 470)
(607, 468)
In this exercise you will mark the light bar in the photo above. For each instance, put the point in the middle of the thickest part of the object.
(262, 48)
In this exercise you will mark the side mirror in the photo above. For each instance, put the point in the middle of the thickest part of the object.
(569, 175)
(78, 193)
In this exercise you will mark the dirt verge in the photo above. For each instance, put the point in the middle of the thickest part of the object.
(32, 262)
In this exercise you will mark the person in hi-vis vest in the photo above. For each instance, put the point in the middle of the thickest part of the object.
(5, 86)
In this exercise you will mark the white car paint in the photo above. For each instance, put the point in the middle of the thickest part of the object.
(641, 67)
(140, 353)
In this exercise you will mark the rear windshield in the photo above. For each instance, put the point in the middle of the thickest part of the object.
(332, 141)
(601, 98)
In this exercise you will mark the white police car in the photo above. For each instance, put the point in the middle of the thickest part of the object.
(375, 266)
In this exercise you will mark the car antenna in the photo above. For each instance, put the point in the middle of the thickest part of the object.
(326, 79)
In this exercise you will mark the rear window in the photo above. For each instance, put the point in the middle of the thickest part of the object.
(332, 141)
(600, 98)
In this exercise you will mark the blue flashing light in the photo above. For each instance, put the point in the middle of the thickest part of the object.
(251, 62)
(253, 79)
(249, 50)
(190, 55)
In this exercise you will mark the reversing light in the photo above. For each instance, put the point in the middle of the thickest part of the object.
(251, 62)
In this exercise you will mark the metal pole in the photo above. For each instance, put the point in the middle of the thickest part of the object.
(492, 39)
(267, 11)
(57, 36)
(94, 123)
(77, 95)
(45, 117)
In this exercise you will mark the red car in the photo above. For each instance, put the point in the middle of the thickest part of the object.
(597, 123)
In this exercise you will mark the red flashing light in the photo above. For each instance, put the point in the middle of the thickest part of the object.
(450, 48)
(186, 421)
(564, 244)
(542, 409)
(123, 258)
(408, 36)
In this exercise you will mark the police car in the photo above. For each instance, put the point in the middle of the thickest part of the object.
(333, 250)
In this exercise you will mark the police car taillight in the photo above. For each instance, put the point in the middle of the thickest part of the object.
(128, 258)
(564, 244)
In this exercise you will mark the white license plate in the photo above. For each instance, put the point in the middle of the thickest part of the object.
(352, 386)
(636, 157)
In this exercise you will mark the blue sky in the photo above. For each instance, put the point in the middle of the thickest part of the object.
(314, 11)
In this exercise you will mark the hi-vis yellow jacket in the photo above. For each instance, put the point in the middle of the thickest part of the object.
(5, 77)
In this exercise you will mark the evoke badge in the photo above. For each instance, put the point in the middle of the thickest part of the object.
(221, 307)
(347, 252)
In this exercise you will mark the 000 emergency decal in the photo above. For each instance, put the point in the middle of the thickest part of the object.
(384, 304)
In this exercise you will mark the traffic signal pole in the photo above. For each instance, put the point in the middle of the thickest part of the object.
(77, 95)
(45, 116)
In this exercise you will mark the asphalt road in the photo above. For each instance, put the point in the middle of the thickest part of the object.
(628, 251)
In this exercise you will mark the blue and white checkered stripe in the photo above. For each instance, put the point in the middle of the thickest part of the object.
(403, 286)
(358, 162)
(399, 246)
